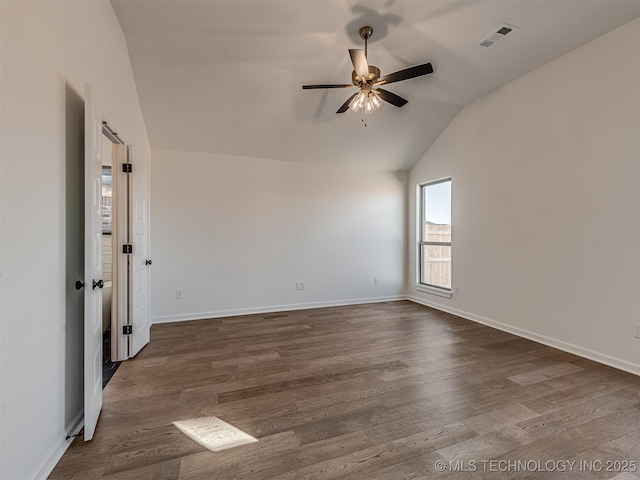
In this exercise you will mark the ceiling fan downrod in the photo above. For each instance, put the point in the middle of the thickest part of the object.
(365, 34)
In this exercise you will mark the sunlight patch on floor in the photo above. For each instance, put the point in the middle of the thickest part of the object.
(213, 433)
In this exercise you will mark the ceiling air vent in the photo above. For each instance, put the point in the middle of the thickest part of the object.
(498, 35)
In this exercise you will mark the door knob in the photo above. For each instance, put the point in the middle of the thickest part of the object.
(98, 284)
(79, 284)
(148, 262)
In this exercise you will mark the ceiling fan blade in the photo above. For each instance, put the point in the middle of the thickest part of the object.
(392, 98)
(406, 74)
(359, 60)
(309, 87)
(345, 105)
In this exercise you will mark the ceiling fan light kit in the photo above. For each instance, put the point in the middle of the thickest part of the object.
(367, 99)
(367, 78)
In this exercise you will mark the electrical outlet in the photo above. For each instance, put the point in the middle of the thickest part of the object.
(376, 281)
(303, 285)
(179, 294)
(636, 330)
(297, 285)
(456, 290)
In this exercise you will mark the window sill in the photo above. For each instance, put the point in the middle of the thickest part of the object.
(433, 291)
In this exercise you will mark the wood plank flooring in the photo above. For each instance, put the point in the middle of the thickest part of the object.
(378, 391)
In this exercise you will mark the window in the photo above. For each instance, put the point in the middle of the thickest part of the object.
(434, 245)
(107, 200)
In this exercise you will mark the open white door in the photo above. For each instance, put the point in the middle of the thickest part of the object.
(93, 265)
(120, 236)
(140, 259)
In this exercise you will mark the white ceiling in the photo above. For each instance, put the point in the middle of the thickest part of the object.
(225, 76)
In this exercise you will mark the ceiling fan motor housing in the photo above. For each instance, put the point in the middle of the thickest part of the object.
(374, 75)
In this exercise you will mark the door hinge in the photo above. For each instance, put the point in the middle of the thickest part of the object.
(127, 248)
(127, 167)
(127, 329)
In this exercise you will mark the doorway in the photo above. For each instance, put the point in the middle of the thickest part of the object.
(116, 267)
(109, 362)
(129, 216)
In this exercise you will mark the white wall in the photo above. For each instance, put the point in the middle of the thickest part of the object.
(237, 234)
(46, 45)
(546, 204)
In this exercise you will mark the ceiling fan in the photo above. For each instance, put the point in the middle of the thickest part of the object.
(367, 78)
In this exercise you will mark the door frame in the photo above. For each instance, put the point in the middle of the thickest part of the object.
(130, 226)
(120, 235)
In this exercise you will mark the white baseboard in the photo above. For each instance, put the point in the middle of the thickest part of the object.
(52, 458)
(270, 309)
(551, 342)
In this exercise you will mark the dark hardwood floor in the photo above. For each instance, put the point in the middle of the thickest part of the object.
(380, 391)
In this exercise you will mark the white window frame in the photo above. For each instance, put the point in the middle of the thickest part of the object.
(424, 287)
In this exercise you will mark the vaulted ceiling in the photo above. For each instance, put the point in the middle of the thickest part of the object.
(225, 76)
